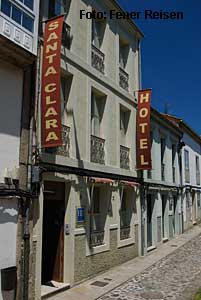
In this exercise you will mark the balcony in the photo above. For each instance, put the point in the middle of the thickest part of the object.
(97, 150)
(163, 172)
(173, 174)
(64, 150)
(123, 79)
(124, 157)
(124, 232)
(97, 59)
(96, 238)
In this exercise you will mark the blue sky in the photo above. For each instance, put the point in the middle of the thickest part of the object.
(171, 57)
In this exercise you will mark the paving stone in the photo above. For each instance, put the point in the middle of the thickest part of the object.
(167, 279)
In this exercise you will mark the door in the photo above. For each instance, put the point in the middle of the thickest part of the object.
(175, 218)
(164, 204)
(53, 232)
(194, 212)
(149, 220)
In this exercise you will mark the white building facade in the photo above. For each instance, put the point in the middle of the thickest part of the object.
(89, 186)
(18, 48)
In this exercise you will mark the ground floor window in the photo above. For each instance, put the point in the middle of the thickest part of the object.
(97, 223)
(125, 215)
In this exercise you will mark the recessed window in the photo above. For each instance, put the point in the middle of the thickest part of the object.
(27, 22)
(16, 14)
(56, 8)
(5, 7)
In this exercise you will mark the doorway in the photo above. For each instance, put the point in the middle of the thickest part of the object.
(150, 206)
(194, 210)
(164, 204)
(53, 232)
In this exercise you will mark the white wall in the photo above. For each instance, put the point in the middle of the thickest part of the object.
(8, 232)
(11, 79)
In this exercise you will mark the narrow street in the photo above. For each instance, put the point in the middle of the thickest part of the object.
(173, 277)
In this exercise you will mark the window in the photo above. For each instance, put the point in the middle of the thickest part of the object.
(98, 29)
(96, 200)
(124, 118)
(173, 162)
(123, 53)
(96, 113)
(56, 8)
(28, 3)
(17, 14)
(198, 199)
(197, 167)
(162, 158)
(186, 165)
(149, 172)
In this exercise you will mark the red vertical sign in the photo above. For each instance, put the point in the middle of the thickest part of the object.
(51, 132)
(143, 144)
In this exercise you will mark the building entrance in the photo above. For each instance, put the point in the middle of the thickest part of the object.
(53, 232)
(150, 205)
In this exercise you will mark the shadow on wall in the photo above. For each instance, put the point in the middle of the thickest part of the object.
(8, 212)
(11, 86)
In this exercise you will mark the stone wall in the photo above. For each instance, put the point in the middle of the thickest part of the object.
(87, 266)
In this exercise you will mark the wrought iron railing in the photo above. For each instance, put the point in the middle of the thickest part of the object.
(124, 232)
(124, 157)
(162, 171)
(96, 238)
(97, 59)
(97, 150)
(64, 150)
(123, 79)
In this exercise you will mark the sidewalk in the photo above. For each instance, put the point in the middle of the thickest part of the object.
(116, 276)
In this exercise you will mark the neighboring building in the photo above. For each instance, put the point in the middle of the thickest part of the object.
(191, 166)
(87, 217)
(162, 215)
(18, 47)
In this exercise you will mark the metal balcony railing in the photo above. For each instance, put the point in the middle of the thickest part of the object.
(97, 150)
(97, 59)
(124, 157)
(96, 238)
(123, 79)
(64, 150)
(124, 232)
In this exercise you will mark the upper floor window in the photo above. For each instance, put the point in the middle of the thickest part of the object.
(124, 119)
(98, 30)
(17, 13)
(162, 158)
(173, 162)
(123, 53)
(56, 8)
(97, 108)
(197, 164)
(186, 165)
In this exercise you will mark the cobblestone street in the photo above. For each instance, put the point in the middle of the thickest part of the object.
(169, 278)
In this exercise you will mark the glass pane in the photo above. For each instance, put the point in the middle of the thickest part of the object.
(57, 7)
(29, 3)
(16, 14)
(5, 7)
(27, 22)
